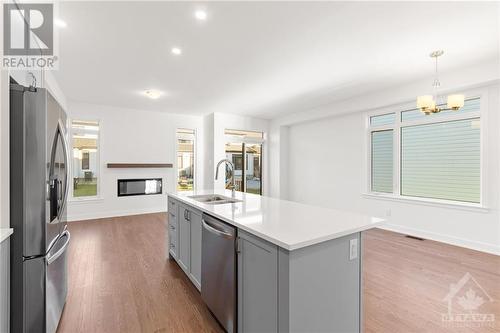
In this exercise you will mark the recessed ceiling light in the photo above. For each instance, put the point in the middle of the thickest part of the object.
(153, 94)
(200, 15)
(60, 23)
(176, 51)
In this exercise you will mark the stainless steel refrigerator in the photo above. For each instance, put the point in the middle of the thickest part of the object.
(39, 166)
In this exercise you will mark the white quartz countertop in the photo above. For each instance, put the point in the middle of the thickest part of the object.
(288, 224)
(5, 233)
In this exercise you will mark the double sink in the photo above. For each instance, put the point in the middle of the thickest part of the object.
(213, 199)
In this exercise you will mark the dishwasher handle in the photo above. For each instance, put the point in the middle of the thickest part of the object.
(215, 230)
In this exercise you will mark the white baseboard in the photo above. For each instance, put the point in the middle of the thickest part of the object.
(478, 246)
(101, 215)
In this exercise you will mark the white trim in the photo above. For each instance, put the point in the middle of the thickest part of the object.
(102, 215)
(483, 121)
(474, 245)
(428, 202)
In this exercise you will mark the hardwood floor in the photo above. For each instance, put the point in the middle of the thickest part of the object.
(406, 280)
(120, 281)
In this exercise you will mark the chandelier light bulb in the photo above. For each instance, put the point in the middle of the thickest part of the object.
(455, 102)
(424, 102)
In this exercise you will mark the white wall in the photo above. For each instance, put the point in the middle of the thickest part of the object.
(327, 167)
(278, 161)
(208, 152)
(133, 136)
(214, 125)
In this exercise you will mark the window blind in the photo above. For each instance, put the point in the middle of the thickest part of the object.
(382, 161)
(442, 160)
(385, 119)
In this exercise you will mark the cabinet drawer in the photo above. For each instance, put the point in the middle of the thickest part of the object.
(172, 207)
(172, 222)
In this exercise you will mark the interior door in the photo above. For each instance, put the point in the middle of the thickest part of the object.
(58, 177)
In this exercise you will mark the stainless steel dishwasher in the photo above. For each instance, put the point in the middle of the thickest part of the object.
(218, 270)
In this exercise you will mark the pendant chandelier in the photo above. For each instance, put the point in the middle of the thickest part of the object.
(429, 104)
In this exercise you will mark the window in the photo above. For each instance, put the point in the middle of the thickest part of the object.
(85, 142)
(433, 157)
(244, 148)
(185, 159)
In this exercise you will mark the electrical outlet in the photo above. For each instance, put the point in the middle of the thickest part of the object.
(388, 213)
(353, 249)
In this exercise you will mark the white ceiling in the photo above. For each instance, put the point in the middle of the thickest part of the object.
(262, 58)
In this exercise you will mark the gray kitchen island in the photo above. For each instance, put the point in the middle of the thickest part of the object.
(297, 268)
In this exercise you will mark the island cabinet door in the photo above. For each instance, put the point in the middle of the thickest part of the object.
(257, 285)
(195, 269)
(184, 241)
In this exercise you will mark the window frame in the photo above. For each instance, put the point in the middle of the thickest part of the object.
(244, 141)
(398, 125)
(186, 136)
(98, 196)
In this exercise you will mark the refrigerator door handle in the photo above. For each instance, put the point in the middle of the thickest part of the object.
(59, 252)
(62, 132)
(59, 199)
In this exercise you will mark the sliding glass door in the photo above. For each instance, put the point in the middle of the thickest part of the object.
(247, 160)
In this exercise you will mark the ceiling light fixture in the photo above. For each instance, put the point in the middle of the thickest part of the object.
(153, 94)
(430, 104)
(200, 15)
(176, 51)
(60, 23)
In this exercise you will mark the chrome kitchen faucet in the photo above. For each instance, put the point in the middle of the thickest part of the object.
(226, 161)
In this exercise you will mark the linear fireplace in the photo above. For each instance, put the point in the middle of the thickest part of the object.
(146, 186)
